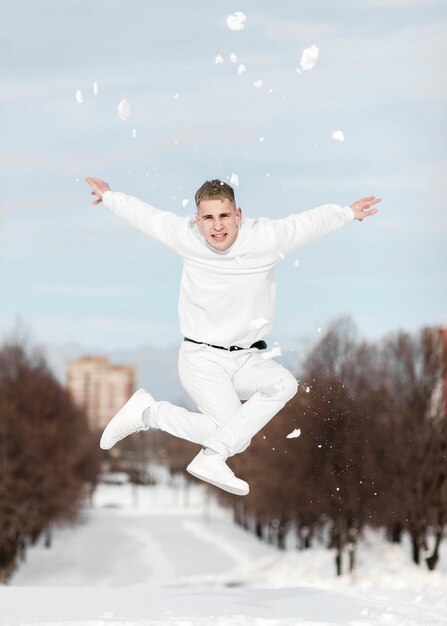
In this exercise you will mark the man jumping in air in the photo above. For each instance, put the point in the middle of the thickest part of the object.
(226, 309)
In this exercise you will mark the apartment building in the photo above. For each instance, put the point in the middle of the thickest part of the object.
(99, 387)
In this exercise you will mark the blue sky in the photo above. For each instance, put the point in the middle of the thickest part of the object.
(76, 273)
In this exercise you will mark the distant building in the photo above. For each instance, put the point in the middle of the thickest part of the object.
(438, 352)
(99, 387)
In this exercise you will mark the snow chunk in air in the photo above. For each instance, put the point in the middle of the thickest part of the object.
(95, 88)
(338, 135)
(241, 69)
(134, 133)
(309, 57)
(185, 202)
(276, 351)
(258, 83)
(124, 110)
(233, 57)
(236, 21)
(79, 97)
(218, 59)
(234, 180)
(294, 433)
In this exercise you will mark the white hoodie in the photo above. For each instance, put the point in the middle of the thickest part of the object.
(228, 298)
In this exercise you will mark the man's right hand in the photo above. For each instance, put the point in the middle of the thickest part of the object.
(99, 187)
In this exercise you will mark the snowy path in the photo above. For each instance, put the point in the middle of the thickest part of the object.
(198, 606)
(129, 550)
(178, 559)
(212, 607)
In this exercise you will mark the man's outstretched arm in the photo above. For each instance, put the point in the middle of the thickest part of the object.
(163, 226)
(299, 229)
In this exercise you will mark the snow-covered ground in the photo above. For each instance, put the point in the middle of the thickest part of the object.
(169, 555)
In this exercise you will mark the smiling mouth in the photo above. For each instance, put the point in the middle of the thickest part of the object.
(219, 237)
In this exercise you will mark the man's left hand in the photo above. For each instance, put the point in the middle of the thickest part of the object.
(362, 208)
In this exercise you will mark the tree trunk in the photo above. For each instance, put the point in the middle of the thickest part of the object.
(352, 544)
(432, 560)
(8, 558)
(304, 537)
(270, 532)
(337, 544)
(396, 532)
(338, 562)
(416, 549)
(351, 552)
(281, 536)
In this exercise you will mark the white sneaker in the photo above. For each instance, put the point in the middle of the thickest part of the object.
(128, 420)
(213, 469)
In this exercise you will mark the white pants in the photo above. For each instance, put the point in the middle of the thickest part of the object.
(217, 380)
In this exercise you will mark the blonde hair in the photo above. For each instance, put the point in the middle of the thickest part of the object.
(214, 190)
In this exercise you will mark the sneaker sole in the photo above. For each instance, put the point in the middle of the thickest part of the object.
(234, 490)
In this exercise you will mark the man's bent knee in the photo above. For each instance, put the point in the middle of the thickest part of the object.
(289, 386)
(283, 387)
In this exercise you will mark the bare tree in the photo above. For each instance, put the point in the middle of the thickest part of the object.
(413, 368)
(46, 456)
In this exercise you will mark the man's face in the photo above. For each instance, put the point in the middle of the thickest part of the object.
(219, 220)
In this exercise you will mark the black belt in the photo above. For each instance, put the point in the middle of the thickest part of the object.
(260, 345)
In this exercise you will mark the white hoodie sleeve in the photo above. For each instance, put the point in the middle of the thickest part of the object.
(162, 226)
(297, 230)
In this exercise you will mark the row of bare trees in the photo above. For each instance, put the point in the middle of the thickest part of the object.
(47, 455)
(372, 450)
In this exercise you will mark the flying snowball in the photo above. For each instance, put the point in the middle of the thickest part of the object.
(185, 203)
(176, 96)
(258, 83)
(309, 58)
(79, 97)
(234, 180)
(294, 433)
(236, 21)
(218, 59)
(134, 133)
(124, 110)
(276, 351)
(233, 57)
(95, 88)
(241, 69)
(338, 135)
